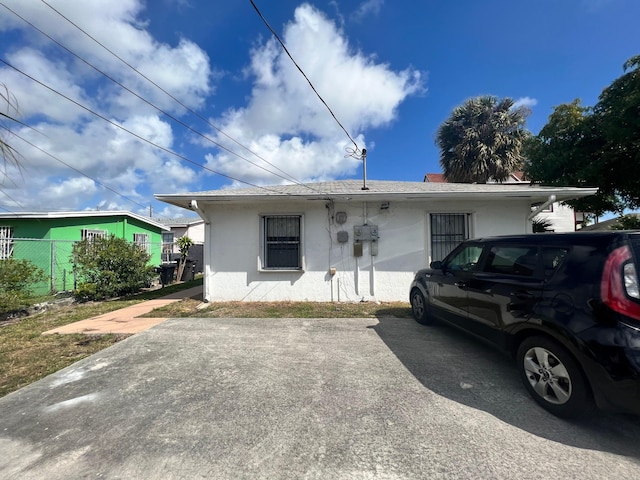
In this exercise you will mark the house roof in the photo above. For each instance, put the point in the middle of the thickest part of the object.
(377, 190)
(180, 222)
(83, 214)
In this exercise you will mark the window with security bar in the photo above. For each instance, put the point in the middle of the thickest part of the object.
(447, 231)
(88, 234)
(142, 240)
(282, 242)
(6, 242)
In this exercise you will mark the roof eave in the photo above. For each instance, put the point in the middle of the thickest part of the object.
(562, 194)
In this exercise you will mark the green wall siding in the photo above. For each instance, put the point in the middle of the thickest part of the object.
(62, 233)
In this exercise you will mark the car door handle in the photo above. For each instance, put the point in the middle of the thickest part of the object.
(461, 284)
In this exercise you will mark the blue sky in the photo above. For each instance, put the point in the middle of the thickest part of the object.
(390, 71)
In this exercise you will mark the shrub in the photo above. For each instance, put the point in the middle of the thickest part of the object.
(16, 278)
(109, 267)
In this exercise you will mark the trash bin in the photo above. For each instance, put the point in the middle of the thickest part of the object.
(189, 271)
(166, 272)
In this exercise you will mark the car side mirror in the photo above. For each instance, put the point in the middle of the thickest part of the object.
(437, 265)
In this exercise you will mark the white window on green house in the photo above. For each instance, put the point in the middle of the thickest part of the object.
(142, 240)
(6, 242)
(89, 234)
(282, 242)
(167, 242)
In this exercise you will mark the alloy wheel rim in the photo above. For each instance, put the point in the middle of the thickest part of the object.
(547, 375)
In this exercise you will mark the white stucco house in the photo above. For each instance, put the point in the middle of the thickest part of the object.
(335, 241)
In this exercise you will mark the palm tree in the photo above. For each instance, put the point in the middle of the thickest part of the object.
(482, 140)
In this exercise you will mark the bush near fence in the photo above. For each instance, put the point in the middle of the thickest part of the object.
(55, 259)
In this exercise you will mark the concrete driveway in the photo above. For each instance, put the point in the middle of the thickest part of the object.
(293, 398)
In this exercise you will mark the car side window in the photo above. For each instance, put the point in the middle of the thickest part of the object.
(465, 259)
(510, 260)
(552, 258)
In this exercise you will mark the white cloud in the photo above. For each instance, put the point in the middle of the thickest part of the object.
(81, 140)
(284, 121)
(366, 8)
(527, 102)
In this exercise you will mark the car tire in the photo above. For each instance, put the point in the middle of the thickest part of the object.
(419, 308)
(553, 378)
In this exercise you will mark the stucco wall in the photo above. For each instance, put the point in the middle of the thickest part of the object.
(233, 241)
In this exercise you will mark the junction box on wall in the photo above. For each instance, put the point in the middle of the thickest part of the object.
(362, 233)
(365, 233)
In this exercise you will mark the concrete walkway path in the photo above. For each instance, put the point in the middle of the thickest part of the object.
(126, 319)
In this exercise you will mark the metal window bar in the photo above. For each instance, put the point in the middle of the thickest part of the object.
(88, 234)
(282, 242)
(6, 242)
(142, 240)
(447, 231)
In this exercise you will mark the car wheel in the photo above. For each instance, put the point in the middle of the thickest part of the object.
(553, 378)
(419, 308)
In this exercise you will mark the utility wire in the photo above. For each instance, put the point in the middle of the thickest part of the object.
(182, 104)
(139, 137)
(78, 171)
(147, 101)
(357, 150)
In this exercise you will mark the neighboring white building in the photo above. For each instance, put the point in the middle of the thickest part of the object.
(179, 227)
(334, 241)
(561, 218)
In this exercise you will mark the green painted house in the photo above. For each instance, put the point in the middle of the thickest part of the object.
(47, 239)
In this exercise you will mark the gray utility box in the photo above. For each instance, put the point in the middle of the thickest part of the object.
(362, 233)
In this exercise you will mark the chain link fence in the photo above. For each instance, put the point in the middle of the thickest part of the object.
(55, 259)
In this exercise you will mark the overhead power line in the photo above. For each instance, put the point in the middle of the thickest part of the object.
(79, 171)
(140, 97)
(357, 151)
(139, 137)
(178, 101)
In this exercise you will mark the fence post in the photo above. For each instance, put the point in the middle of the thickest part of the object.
(53, 266)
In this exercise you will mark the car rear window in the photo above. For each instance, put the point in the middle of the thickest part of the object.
(552, 258)
(512, 260)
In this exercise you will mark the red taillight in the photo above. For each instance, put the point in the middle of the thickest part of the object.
(620, 283)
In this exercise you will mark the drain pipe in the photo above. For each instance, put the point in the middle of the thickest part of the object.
(193, 205)
(550, 200)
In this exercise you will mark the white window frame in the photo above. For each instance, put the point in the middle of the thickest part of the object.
(6, 242)
(142, 240)
(167, 247)
(91, 234)
(263, 260)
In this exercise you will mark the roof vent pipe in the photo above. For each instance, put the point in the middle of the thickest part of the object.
(364, 169)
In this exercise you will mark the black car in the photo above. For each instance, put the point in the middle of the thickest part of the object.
(566, 306)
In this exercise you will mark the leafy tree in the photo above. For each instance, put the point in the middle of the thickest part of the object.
(482, 140)
(16, 278)
(109, 267)
(627, 222)
(595, 147)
